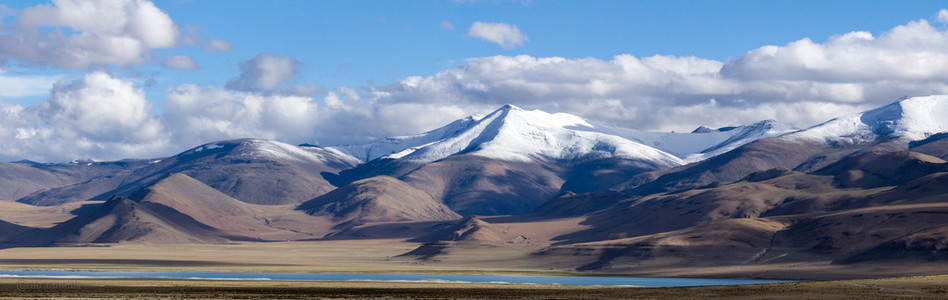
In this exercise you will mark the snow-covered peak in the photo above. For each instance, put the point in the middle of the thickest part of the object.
(266, 149)
(514, 134)
(392, 145)
(909, 119)
(704, 142)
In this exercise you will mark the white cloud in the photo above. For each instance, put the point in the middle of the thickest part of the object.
(97, 116)
(97, 106)
(199, 114)
(802, 82)
(446, 25)
(264, 72)
(182, 62)
(942, 16)
(505, 35)
(86, 34)
(914, 51)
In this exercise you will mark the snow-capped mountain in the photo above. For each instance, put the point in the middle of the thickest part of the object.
(513, 134)
(889, 128)
(703, 142)
(267, 149)
(910, 119)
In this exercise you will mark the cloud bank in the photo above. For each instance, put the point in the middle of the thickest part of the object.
(802, 82)
(102, 116)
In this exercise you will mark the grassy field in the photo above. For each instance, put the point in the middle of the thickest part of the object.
(906, 287)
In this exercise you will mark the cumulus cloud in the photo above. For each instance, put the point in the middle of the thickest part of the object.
(182, 62)
(97, 106)
(914, 51)
(506, 35)
(265, 72)
(942, 16)
(198, 114)
(75, 34)
(96, 116)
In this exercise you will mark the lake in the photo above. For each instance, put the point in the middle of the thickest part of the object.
(511, 279)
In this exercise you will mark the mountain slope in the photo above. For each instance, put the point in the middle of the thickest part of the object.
(851, 183)
(378, 199)
(23, 178)
(250, 170)
(477, 185)
(8, 230)
(201, 202)
(123, 220)
(509, 161)
(876, 169)
(894, 212)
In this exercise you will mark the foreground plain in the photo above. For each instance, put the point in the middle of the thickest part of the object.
(385, 256)
(927, 287)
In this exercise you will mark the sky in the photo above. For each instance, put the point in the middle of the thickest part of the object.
(118, 79)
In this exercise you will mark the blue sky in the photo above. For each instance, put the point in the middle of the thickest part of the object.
(370, 62)
(360, 43)
(357, 42)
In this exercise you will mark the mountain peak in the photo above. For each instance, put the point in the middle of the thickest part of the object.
(509, 107)
(513, 134)
(702, 129)
(910, 119)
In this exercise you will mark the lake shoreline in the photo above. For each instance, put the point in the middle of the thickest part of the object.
(513, 279)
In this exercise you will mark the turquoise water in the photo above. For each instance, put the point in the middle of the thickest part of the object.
(513, 279)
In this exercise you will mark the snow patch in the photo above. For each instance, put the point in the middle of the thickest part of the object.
(203, 148)
(280, 151)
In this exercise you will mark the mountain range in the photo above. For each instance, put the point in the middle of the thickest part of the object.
(857, 189)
